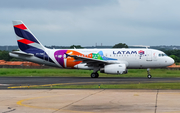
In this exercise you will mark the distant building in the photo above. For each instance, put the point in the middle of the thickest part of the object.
(17, 63)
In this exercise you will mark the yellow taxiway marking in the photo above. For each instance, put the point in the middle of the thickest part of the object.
(45, 85)
(38, 107)
(30, 106)
(28, 86)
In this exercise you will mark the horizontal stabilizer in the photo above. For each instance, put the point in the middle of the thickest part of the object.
(22, 53)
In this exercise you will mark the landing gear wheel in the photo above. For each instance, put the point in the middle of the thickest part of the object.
(97, 75)
(149, 76)
(94, 75)
(148, 72)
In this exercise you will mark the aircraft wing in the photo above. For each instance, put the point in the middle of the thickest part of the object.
(90, 61)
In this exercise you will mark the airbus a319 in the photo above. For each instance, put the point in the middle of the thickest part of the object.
(110, 61)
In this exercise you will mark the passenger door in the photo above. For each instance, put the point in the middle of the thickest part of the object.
(148, 55)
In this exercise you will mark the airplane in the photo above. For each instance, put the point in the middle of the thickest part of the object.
(109, 61)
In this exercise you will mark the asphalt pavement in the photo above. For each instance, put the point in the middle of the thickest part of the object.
(6, 82)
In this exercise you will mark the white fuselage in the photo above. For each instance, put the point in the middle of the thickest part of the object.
(146, 58)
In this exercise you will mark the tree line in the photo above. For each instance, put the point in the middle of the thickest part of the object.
(175, 54)
(4, 55)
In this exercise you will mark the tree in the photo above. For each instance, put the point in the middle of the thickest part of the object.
(175, 54)
(176, 59)
(4, 55)
(120, 45)
(76, 46)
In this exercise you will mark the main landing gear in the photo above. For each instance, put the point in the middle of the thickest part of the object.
(94, 75)
(149, 75)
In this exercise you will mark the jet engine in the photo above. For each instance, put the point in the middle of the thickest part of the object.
(114, 69)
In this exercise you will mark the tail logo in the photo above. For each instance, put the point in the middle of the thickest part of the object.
(25, 41)
(28, 43)
(21, 26)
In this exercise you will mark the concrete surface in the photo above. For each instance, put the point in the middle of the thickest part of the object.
(89, 101)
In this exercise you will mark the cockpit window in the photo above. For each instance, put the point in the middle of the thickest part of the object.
(161, 55)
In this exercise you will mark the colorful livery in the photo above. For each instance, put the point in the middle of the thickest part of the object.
(110, 61)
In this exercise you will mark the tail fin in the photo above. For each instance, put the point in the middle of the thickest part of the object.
(27, 42)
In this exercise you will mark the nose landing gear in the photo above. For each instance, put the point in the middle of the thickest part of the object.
(148, 72)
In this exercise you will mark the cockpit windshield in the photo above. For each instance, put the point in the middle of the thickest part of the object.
(161, 55)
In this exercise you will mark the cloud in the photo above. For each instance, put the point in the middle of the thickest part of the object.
(52, 4)
(135, 22)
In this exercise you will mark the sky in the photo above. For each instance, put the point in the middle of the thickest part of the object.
(87, 22)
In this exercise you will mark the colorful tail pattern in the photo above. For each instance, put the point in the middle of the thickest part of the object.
(27, 42)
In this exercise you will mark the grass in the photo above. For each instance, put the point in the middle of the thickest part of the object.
(8, 72)
(117, 86)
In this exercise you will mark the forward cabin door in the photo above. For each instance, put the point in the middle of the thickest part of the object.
(148, 55)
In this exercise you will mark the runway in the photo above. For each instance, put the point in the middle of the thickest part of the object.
(6, 82)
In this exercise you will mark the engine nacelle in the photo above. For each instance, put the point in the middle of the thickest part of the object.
(114, 69)
(82, 66)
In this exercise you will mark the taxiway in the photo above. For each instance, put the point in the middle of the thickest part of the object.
(6, 82)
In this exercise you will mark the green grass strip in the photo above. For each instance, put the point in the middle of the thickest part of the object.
(152, 86)
(8, 72)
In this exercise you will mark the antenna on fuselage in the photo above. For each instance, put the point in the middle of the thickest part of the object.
(147, 47)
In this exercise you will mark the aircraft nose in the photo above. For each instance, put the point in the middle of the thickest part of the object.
(170, 61)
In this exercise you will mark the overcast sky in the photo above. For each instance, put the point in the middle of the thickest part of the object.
(87, 22)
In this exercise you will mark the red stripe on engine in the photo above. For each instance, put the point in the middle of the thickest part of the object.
(20, 26)
(25, 41)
